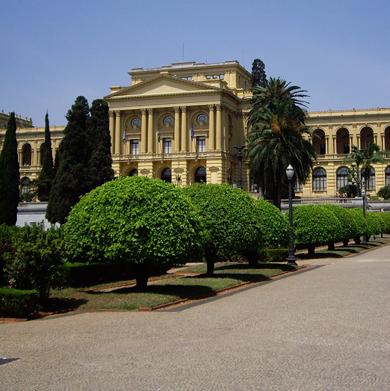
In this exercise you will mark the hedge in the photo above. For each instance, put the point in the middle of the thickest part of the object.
(349, 229)
(360, 221)
(7, 234)
(315, 225)
(229, 217)
(145, 223)
(274, 227)
(386, 219)
(374, 224)
(19, 303)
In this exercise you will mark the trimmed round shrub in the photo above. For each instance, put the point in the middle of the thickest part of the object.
(274, 227)
(315, 225)
(386, 218)
(145, 223)
(349, 229)
(382, 223)
(374, 224)
(229, 217)
(360, 221)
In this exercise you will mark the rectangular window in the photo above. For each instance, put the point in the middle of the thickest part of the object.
(209, 77)
(186, 77)
(201, 144)
(134, 147)
(167, 145)
(221, 76)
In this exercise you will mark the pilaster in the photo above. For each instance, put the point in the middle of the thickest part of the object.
(118, 132)
(143, 140)
(211, 143)
(150, 131)
(176, 144)
(184, 131)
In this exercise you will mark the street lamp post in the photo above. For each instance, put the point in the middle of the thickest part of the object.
(239, 149)
(364, 206)
(291, 249)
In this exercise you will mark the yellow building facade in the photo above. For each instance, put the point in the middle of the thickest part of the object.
(186, 123)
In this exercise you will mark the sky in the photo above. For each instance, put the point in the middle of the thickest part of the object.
(53, 51)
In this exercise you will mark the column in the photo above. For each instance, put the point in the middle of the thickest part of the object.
(211, 145)
(143, 131)
(112, 130)
(327, 152)
(177, 131)
(218, 132)
(118, 133)
(35, 162)
(382, 141)
(184, 130)
(150, 131)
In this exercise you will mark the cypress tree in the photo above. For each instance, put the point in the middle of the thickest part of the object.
(71, 178)
(259, 77)
(99, 165)
(46, 175)
(9, 175)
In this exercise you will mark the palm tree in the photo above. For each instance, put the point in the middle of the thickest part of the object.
(362, 160)
(276, 139)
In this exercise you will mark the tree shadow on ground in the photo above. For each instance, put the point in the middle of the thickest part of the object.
(59, 305)
(182, 291)
(259, 265)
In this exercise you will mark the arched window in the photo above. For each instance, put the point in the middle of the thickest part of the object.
(369, 176)
(25, 185)
(319, 179)
(166, 175)
(319, 142)
(133, 172)
(41, 153)
(26, 155)
(341, 177)
(200, 175)
(366, 137)
(387, 176)
(387, 138)
(342, 141)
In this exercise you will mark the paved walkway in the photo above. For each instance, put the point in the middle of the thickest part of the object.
(326, 329)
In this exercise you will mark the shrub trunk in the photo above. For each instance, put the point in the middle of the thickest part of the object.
(357, 240)
(345, 242)
(311, 248)
(330, 245)
(210, 268)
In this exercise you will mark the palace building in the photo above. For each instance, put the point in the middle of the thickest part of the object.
(187, 122)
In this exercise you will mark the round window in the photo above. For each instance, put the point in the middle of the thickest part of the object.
(168, 121)
(135, 123)
(202, 119)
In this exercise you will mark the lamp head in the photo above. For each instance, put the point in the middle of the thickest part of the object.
(289, 172)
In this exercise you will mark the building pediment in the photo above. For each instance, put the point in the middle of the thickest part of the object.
(162, 85)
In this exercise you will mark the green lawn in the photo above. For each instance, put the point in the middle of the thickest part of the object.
(166, 290)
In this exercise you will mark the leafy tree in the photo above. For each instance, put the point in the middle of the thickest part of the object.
(276, 139)
(229, 217)
(362, 160)
(46, 175)
(9, 175)
(99, 165)
(259, 78)
(71, 179)
(384, 192)
(141, 223)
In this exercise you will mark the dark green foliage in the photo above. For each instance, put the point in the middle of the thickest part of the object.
(374, 224)
(35, 260)
(274, 227)
(229, 216)
(259, 76)
(9, 175)
(277, 121)
(386, 218)
(384, 192)
(360, 221)
(382, 223)
(349, 229)
(85, 274)
(349, 191)
(46, 175)
(99, 164)
(7, 234)
(71, 178)
(19, 303)
(146, 223)
(274, 254)
(315, 225)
